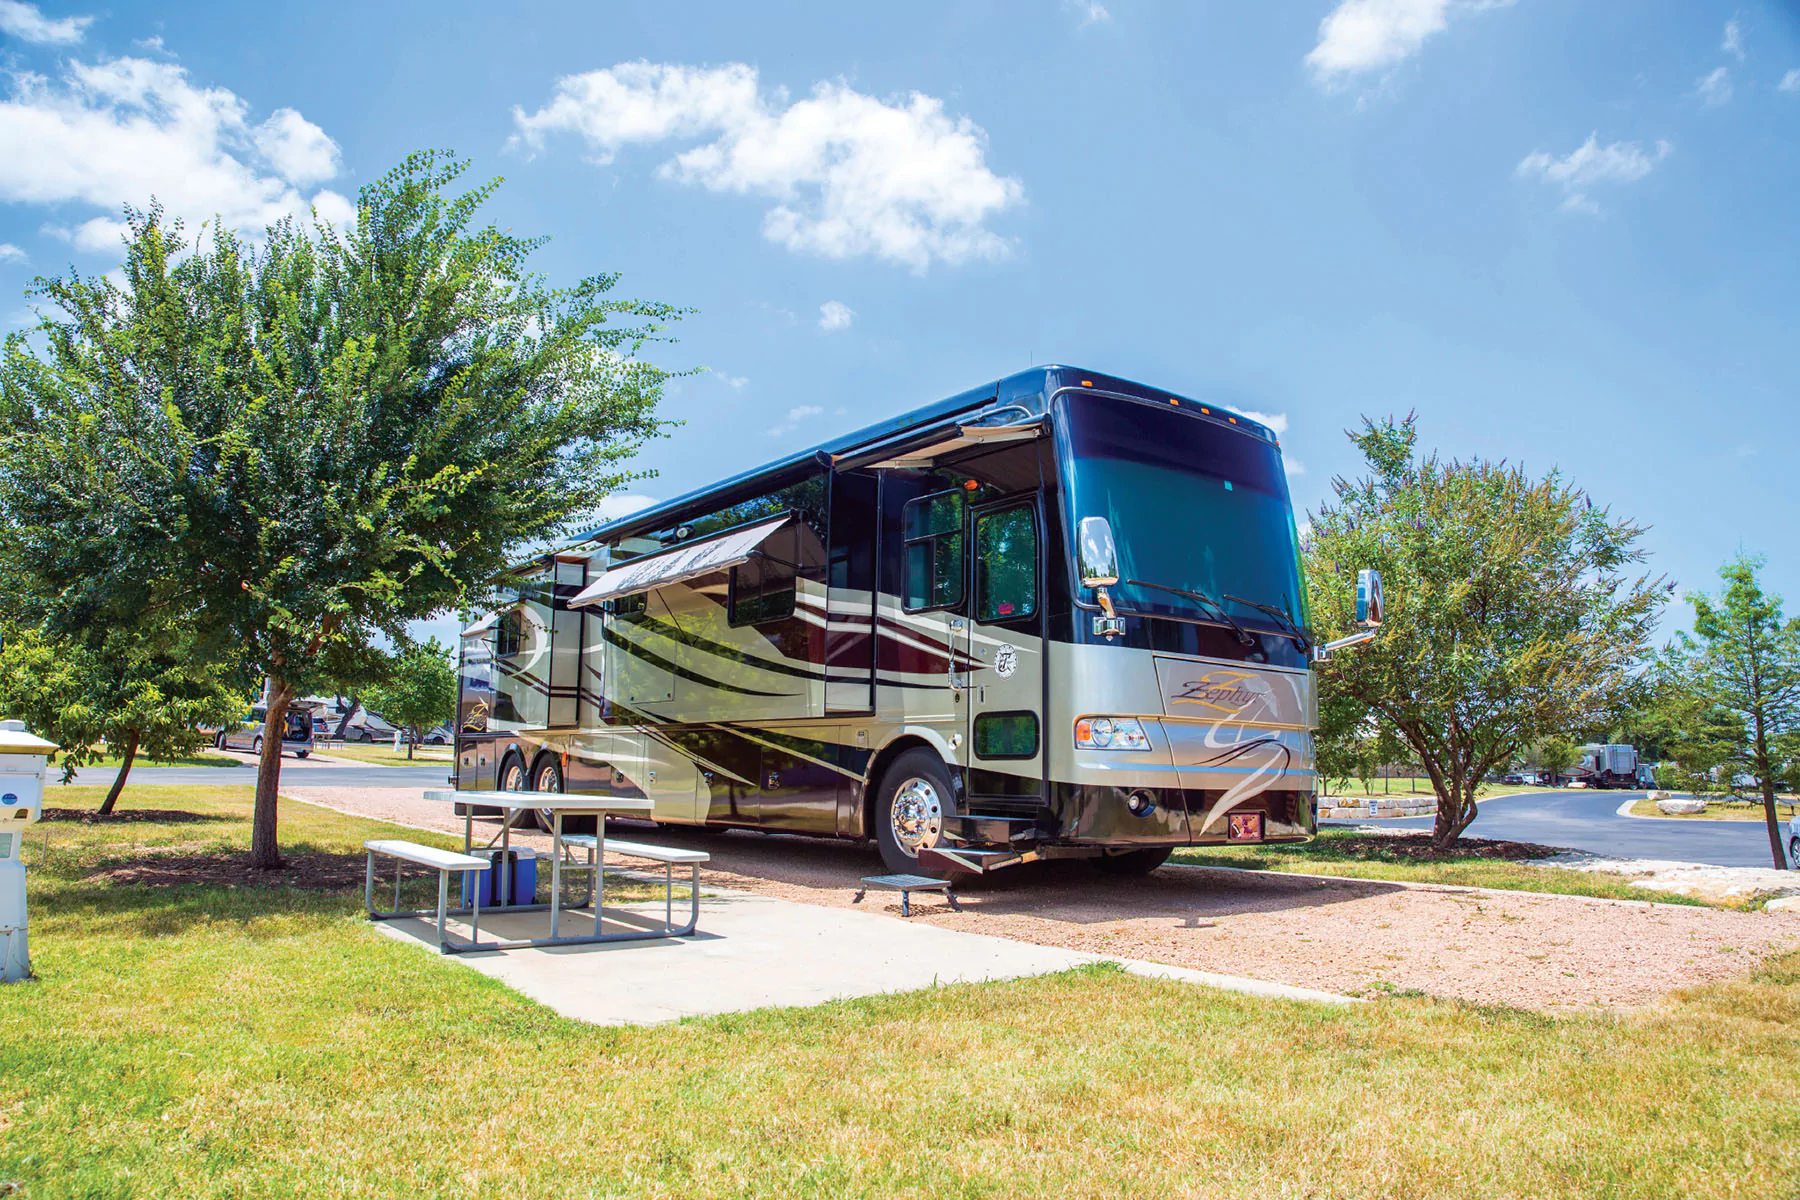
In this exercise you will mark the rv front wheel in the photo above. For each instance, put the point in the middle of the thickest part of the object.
(910, 808)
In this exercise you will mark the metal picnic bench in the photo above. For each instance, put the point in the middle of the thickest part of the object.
(512, 805)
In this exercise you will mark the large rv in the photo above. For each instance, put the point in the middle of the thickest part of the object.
(1060, 615)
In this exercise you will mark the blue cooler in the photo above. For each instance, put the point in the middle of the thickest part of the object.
(524, 879)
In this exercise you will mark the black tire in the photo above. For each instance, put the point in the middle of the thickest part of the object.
(219, 741)
(1132, 862)
(511, 775)
(301, 753)
(549, 778)
(1794, 854)
(927, 801)
(256, 747)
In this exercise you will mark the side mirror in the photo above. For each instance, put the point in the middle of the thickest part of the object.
(1368, 599)
(1097, 557)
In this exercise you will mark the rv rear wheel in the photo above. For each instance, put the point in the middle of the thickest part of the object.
(512, 775)
(910, 808)
(1132, 862)
(549, 778)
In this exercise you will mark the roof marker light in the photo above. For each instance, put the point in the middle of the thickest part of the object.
(1206, 410)
(1087, 383)
(1233, 420)
(1173, 400)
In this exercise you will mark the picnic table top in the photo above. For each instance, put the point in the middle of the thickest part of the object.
(567, 802)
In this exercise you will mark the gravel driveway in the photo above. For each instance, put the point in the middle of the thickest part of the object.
(1530, 950)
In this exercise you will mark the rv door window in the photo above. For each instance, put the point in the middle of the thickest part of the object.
(509, 636)
(1006, 562)
(934, 551)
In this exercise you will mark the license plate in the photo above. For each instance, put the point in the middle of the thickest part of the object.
(1246, 827)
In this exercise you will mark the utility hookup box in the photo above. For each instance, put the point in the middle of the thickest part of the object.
(22, 761)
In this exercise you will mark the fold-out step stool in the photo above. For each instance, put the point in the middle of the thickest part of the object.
(906, 884)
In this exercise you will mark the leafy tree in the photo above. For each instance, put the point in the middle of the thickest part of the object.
(308, 442)
(1742, 672)
(76, 696)
(1511, 615)
(419, 692)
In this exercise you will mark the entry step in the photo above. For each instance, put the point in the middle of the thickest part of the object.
(977, 862)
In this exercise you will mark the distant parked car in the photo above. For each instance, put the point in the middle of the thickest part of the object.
(1793, 846)
(248, 735)
(440, 736)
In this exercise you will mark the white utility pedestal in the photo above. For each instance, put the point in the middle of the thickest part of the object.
(22, 759)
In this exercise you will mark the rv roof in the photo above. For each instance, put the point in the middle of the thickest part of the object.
(1028, 388)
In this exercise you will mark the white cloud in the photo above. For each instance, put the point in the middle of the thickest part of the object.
(1734, 39)
(1791, 81)
(1090, 11)
(1592, 164)
(1714, 89)
(1277, 422)
(850, 175)
(835, 315)
(1368, 35)
(299, 151)
(805, 412)
(11, 253)
(622, 504)
(736, 383)
(127, 130)
(25, 22)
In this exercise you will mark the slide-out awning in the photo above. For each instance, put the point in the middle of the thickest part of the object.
(674, 566)
(482, 626)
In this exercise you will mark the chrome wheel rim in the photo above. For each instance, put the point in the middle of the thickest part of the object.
(916, 816)
(514, 777)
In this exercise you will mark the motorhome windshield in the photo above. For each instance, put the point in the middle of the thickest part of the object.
(1193, 505)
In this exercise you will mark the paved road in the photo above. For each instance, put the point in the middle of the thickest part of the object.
(295, 772)
(1584, 820)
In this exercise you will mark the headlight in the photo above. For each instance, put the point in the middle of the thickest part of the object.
(1110, 733)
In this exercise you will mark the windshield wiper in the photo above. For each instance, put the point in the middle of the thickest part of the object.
(1290, 628)
(1243, 635)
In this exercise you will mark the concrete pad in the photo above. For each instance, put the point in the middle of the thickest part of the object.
(757, 952)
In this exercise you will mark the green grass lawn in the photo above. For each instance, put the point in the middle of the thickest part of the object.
(1718, 810)
(383, 754)
(1362, 856)
(1418, 788)
(215, 1041)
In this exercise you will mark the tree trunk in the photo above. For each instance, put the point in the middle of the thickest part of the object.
(1766, 777)
(344, 721)
(118, 785)
(265, 851)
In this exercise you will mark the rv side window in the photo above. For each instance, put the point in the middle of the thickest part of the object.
(763, 588)
(1006, 735)
(632, 605)
(1006, 559)
(509, 636)
(934, 551)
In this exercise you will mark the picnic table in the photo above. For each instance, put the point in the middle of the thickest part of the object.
(558, 806)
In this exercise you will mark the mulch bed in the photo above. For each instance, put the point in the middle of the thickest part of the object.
(1417, 847)
(308, 871)
(131, 816)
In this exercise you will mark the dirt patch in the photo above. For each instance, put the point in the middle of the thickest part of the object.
(1354, 936)
(132, 816)
(308, 871)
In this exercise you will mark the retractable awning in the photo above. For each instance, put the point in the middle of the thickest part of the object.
(925, 448)
(482, 626)
(673, 566)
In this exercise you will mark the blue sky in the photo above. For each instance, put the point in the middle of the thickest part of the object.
(1563, 232)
